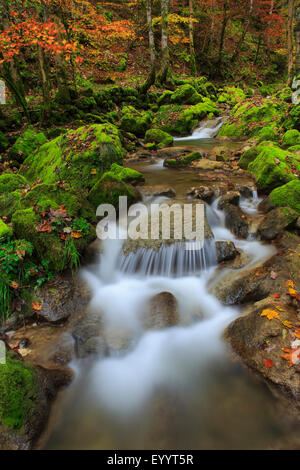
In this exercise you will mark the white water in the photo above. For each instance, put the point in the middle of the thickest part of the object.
(155, 360)
(208, 130)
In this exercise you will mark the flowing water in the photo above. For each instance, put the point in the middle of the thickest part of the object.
(175, 388)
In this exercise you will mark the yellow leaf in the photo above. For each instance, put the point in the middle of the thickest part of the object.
(93, 171)
(76, 234)
(287, 323)
(270, 314)
(290, 283)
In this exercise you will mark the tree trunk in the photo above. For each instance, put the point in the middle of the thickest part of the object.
(297, 42)
(45, 81)
(151, 75)
(222, 37)
(245, 30)
(191, 37)
(290, 40)
(163, 75)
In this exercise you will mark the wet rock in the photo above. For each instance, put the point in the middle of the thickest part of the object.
(266, 205)
(231, 197)
(226, 251)
(157, 190)
(256, 339)
(205, 164)
(86, 331)
(205, 193)
(62, 298)
(162, 312)
(182, 161)
(245, 191)
(275, 221)
(173, 152)
(236, 221)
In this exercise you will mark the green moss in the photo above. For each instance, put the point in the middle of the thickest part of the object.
(291, 138)
(26, 144)
(183, 161)
(18, 393)
(159, 137)
(285, 95)
(4, 143)
(232, 96)
(5, 231)
(9, 203)
(249, 120)
(78, 158)
(134, 121)
(273, 167)
(128, 175)
(186, 94)
(287, 195)
(10, 182)
(292, 121)
(109, 189)
(165, 98)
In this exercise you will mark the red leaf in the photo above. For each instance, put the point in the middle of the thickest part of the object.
(269, 363)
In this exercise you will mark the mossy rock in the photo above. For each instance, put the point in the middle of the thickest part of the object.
(291, 138)
(77, 158)
(45, 196)
(249, 120)
(165, 98)
(232, 96)
(186, 94)
(4, 142)
(109, 189)
(86, 103)
(127, 175)
(18, 393)
(5, 231)
(285, 95)
(47, 246)
(158, 137)
(287, 195)
(182, 161)
(269, 132)
(273, 167)
(9, 203)
(10, 182)
(134, 121)
(26, 144)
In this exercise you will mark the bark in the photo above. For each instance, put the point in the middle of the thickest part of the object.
(297, 42)
(191, 38)
(223, 32)
(163, 75)
(290, 40)
(44, 78)
(245, 30)
(152, 72)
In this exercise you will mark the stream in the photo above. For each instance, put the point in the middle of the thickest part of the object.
(178, 387)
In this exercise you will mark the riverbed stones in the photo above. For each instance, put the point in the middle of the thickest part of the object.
(162, 312)
(231, 197)
(157, 191)
(236, 221)
(205, 164)
(256, 339)
(205, 193)
(275, 221)
(226, 251)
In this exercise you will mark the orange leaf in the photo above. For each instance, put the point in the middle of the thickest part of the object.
(76, 234)
(14, 285)
(37, 306)
(269, 363)
(287, 323)
(290, 283)
(276, 295)
(270, 314)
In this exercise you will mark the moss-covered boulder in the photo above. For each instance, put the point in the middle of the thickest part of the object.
(18, 393)
(158, 137)
(108, 190)
(165, 98)
(274, 167)
(291, 138)
(285, 95)
(9, 203)
(182, 161)
(26, 144)
(134, 121)
(186, 94)
(5, 231)
(248, 119)
(78, 157)
(4, 143)
(181, 120)
(10, 182)
(292, 120)
(231, 96)
(287, 195)
(127, 175)
(61, 248)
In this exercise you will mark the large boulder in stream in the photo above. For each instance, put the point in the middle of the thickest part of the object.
(275, 222)
(261, 344)
(236, 220)
(161, 312)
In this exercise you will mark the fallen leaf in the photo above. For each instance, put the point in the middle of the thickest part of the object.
(291, 355)
(290, 283)
(270, 314)
(273, 275)
(276, 295)
(14, 285)
(76, 234)
(37, 306)
(269, 363)
(44, 226)
(287, 323)
(284, 333)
